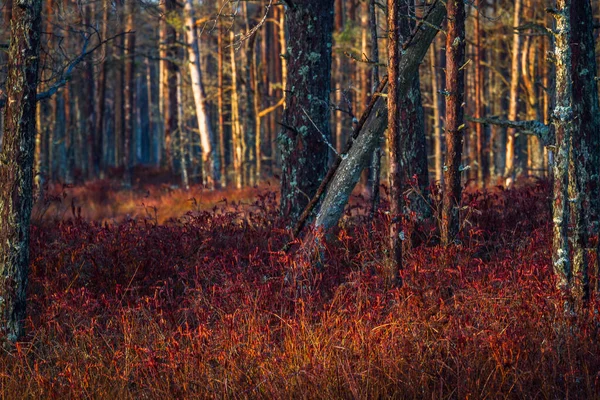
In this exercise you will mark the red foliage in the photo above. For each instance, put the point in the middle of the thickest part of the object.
(208, 305)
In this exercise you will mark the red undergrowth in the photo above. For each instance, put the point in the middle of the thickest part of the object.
(207, 305)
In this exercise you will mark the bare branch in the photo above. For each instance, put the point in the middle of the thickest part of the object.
(533, 127)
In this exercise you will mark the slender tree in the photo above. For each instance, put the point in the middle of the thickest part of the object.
(509, 171)
(563, 121)
(210, 161)
(455, 59)
(129, 90)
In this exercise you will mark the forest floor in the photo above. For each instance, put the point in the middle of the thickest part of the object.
(152, 294)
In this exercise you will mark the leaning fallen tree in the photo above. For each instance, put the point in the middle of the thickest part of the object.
(369, 138)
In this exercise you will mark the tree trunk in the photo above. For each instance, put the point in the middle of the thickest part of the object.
(98, 144)
(306, 116)
(455, 76)
(438, 132)
(210, 161)
(236, 130)
(375, 178)
(395, 120)
(482, 142)
(128, 93)
(220, 106)
(250, 129)
(586, 139)
(563, 120)
(509, 172)
(16, 174)
(369, 137)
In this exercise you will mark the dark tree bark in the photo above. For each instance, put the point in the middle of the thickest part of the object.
(411, 131)
(16, 171)
(375, 172)
(586, 138)
(455, 78)
(369, 136)
(395, 32)
(306, 116)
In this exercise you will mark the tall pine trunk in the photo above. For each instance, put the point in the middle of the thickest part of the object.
(455, 78)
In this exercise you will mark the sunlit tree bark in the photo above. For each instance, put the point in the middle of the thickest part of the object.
(455, 75)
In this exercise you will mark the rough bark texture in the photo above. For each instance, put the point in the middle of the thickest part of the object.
(563, 121)
(370, 134)
(375, 177)
(16, 168)
(412, 142)
(305, 119)
(586, 138)
(455, 78)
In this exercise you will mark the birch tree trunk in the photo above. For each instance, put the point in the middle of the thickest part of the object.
(16, 173)
(210, 161)
(455, 76)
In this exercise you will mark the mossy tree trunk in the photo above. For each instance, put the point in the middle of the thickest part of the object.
(305, 119)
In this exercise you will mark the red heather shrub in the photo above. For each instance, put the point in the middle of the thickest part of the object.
(207, 305)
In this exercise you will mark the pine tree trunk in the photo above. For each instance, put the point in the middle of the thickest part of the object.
(482, 142)
(16, 174)
(509, 171)
(455, 59)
